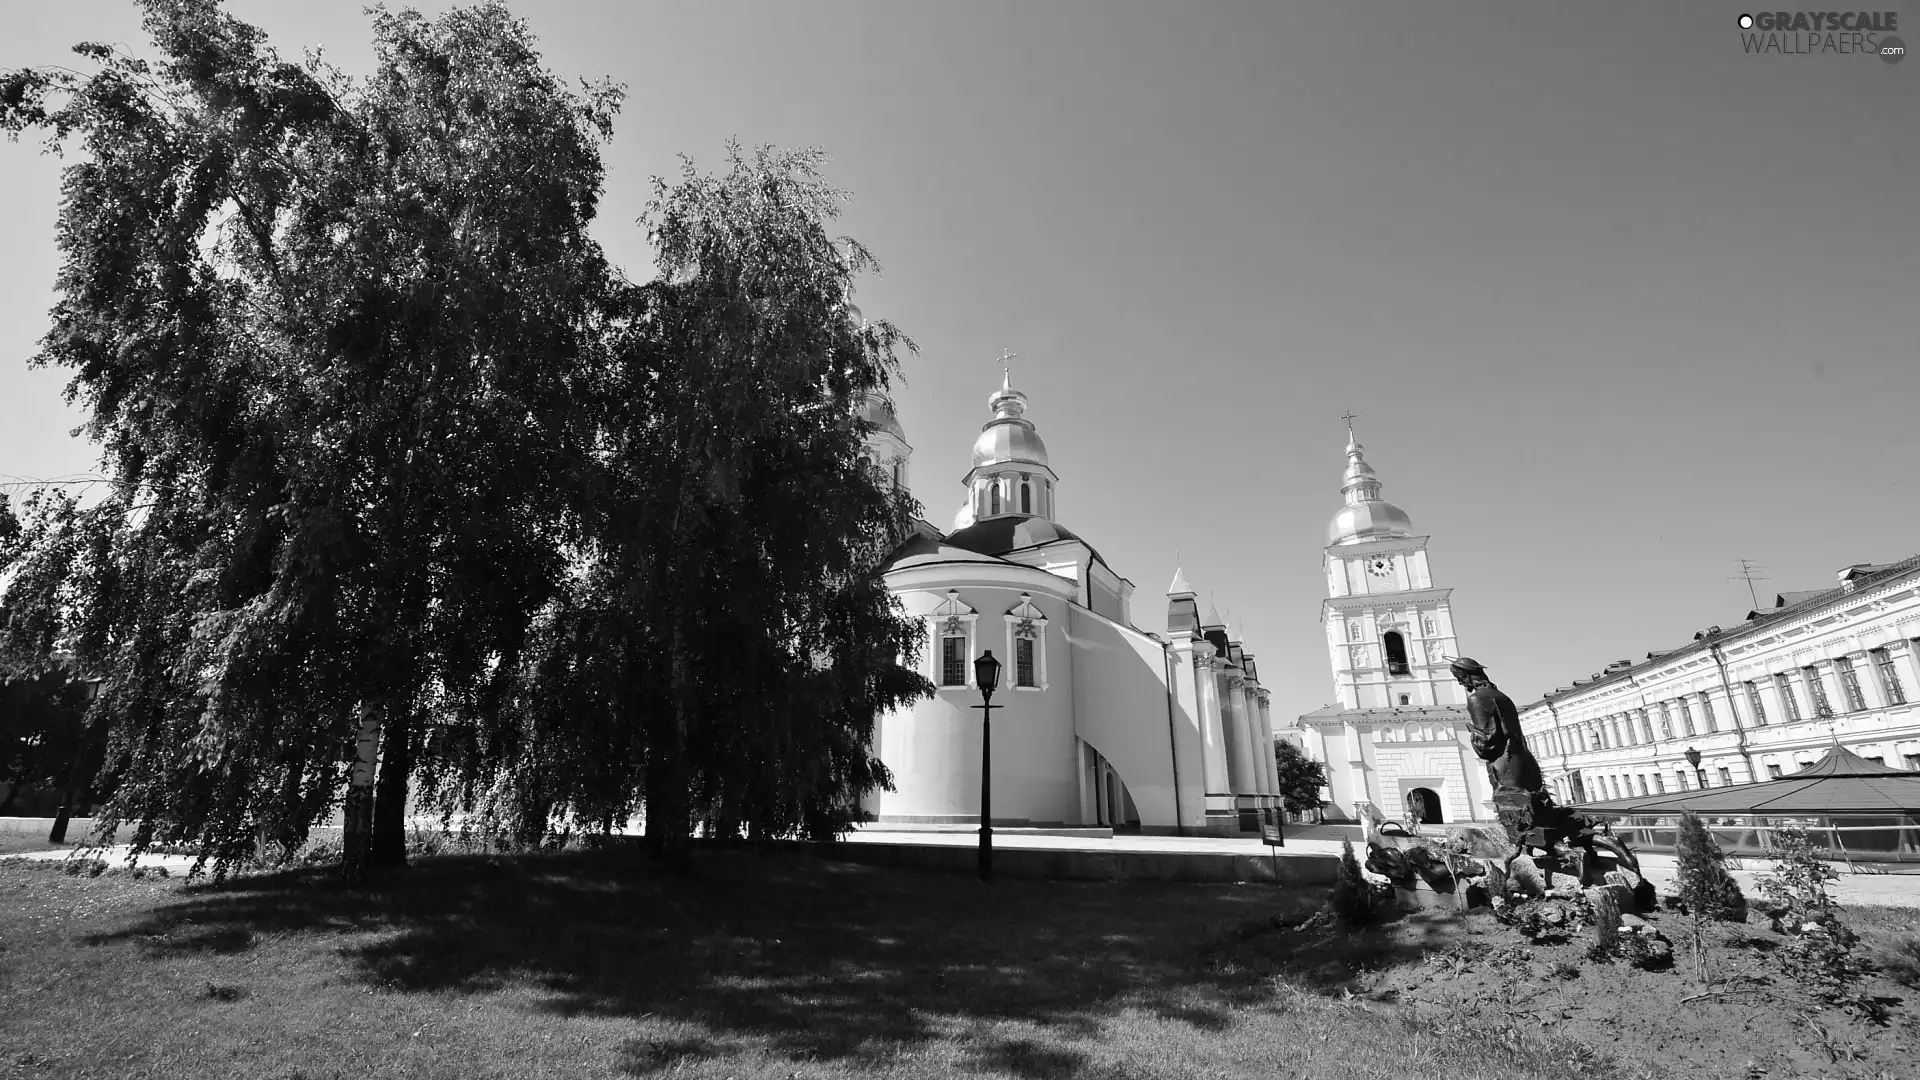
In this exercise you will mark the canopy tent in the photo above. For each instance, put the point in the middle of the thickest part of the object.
(1858, 808)
(1842, 783)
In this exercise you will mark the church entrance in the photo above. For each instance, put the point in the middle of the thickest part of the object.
(1423, 805)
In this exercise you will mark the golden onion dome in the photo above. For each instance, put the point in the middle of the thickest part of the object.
(877, 409)
(1009, 436)
(1366, 516)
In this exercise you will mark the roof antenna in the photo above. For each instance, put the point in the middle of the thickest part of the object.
(1750, 573)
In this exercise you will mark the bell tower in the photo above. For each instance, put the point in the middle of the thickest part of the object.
(1389, 629)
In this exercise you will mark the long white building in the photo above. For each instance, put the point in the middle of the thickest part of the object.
(1755, 701)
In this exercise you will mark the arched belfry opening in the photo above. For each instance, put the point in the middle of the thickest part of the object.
(1396, 647)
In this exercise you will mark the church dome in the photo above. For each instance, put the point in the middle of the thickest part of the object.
(1366, 516)
(1012, 532)
(1009, 436)
(877, 409)
(1374, 519)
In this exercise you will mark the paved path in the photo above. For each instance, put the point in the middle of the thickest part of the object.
(116, 856)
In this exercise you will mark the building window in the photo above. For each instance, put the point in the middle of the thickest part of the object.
(1706, 714)
(1726, 776)
(1659, 784)
(1912, 760)
(1026, 497)
(953, 659)
(1641, 780)
(1646, 725)
(1850, 683)
(993, 499)
(1396, 647)
(1787, 700)
(896, 473)
(1666, 722)
(1774, 772)
(1889, 678)
(1680, 779)
(1023, 662)
(1817, 692)
(1686, 717)
(1404, 700)
(1753, 702)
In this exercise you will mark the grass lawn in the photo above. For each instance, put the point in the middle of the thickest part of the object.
(21, 843)
(596, 964)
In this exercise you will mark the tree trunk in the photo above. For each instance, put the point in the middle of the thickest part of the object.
(669, 803)
(76, 782)
(390, 796)
(356, 838)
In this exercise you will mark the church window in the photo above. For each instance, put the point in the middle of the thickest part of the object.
(1787, 701)
(1353, 631)
(1850, 683)
(1686, 717)
(1023, 662)
(1404, 700)
(993, 500)
(1706, 714)
(1817, 691)
(1026, 629)
(1396, 647)
(1026, 496)
(896, 473)
(1889, 678)
(1753, 702)
(953, 659)
(1426, 625)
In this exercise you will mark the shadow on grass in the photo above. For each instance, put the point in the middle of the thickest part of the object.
(814, 958)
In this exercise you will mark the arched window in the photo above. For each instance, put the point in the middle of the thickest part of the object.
(993, 500)
(1026, 497)
(896, 473)
(1396, 653)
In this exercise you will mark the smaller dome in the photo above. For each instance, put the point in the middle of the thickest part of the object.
(1009, 436)
(877, 409)
(1009, 440)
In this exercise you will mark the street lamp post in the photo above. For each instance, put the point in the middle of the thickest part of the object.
(1693, 759)
(986, 676)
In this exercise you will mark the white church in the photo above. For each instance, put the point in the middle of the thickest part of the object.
(1103, 724)
(1396, 738)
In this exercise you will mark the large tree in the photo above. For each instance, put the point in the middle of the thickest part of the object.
(331, 334)
(1301, 777)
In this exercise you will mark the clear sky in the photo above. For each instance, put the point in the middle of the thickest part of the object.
(1616, 304)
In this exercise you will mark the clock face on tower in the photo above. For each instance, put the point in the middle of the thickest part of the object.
(1380, 566)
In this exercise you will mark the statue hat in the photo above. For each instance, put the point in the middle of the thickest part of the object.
(1462, 665)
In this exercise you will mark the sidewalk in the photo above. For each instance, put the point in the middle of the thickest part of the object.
(116, 858)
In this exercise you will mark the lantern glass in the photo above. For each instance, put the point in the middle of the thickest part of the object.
(1693, 757)
(986, 672)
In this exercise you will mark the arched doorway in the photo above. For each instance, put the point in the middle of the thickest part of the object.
(1423, 804)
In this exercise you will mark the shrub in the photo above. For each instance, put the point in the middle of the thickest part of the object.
(1820, 956)
(1352, 897)
(1606, 924)
(1900, 962)
(1703, 883)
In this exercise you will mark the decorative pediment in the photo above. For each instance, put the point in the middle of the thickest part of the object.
(952, 615)
(1028, 621)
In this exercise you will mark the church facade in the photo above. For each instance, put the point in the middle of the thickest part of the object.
(1396, 739)
(1101, 723)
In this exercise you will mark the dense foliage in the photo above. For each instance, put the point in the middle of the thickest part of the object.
(405, 474)
(1702, 881)
(1301, 777)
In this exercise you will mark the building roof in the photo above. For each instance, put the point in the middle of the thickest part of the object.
(1840, 783)
(921, 550)
(1366, 516)
(1013, 532)
(1791, 605)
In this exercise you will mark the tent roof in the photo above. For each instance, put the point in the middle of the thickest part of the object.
(1840, 783)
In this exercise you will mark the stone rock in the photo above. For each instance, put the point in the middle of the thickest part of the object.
(1640, 891)
(1481, 843)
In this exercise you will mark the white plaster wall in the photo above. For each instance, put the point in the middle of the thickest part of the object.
(1120, 708)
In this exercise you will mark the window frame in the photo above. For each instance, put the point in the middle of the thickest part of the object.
(1850, 689)
(1754, 703)
(1026, 618)
(951, 618)
(1890, 688)
(1783, 684)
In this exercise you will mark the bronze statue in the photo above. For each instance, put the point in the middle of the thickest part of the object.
(1520, 796)
(1497, 738)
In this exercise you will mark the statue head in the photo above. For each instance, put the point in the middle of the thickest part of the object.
(1468, 672)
